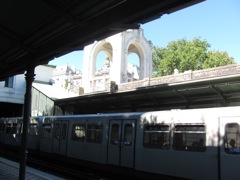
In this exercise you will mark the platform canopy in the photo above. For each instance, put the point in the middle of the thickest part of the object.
(33, 32)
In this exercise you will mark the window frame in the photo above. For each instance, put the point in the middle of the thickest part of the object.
(12, 127)
(163, 136)
(33, 129)
(47, 127)
(81, 138)
(228, 148)
(93, 133)
(188, 143)
(9, 82)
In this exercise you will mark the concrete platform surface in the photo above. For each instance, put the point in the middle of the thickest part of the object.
(9, 170)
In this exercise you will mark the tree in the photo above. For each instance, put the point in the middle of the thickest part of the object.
(217, 58)
(186, 55)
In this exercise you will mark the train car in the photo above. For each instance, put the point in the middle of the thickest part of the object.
(106, 134)
(192, 144)
(79, 137)
(11, 129)
(11, 132)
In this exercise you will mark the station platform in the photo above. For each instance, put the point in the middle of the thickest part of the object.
(9, 170)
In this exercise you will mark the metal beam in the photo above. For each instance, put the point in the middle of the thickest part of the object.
(217, 91)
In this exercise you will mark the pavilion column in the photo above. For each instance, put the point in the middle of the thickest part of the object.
(29, 77)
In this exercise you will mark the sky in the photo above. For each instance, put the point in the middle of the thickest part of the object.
(216, 21)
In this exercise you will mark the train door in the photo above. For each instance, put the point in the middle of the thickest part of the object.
(33, 134)
(13, 132)
(60, 137)
(230, 148)
(2, 129)
(121, 143)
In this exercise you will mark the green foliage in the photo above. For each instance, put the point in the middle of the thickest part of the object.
(217, 58)
(187, 55)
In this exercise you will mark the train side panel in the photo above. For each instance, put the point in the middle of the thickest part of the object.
(34, 134)
(122, 140)
(77, 136)
(106, 139)
(229, 159)
(193, 144)
(12, 132)
(46, 136)
(168, 144)
(88, 138)
(149, 157)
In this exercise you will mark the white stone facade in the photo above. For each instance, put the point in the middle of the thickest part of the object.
(15, 92)
(43, 73)
(117, 48)
(67, 78)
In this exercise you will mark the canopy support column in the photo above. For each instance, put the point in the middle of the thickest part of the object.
(29, 77)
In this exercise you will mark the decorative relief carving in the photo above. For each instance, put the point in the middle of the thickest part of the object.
(216, 72)
(187, 76)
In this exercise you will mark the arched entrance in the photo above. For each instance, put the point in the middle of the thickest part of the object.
(109, 60)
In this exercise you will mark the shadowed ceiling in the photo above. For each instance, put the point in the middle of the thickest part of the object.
(33, 32)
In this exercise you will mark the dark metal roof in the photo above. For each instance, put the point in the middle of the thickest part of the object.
(33, 32)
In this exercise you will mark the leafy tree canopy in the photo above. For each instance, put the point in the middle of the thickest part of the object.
(186, 55)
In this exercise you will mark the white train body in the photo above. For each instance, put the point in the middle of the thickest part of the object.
(193, 144)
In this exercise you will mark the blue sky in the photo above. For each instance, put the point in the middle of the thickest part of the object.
(216, 21)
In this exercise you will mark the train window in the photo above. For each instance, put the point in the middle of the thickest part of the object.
(189, 138)
(11, 128)
(33, 129)
(79, 132)
(232, 138)
(20, 129)
(128, 134)
(94, 133)
(2, 126)
(115, 134)
(47, 130)
(156, 136)
(57, 130)
(64, 131)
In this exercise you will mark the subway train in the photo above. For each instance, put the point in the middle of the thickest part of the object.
(192, 144)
